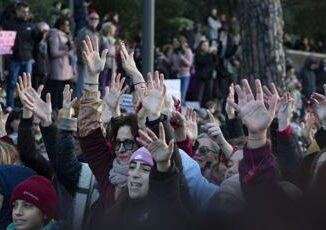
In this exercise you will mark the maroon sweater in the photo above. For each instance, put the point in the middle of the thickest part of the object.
(100, 159)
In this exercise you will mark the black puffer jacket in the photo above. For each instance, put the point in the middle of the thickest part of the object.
(25, 38)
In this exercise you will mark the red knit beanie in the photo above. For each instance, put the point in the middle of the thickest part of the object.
(38, 191)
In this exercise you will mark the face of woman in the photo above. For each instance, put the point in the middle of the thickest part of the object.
(27, 216)
(124, 145)
(14, 125)
(138, 179)
(204, 153)
(204, 47)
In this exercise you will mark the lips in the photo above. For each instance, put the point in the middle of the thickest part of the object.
(19, 222)
(135, 185)
(123, 157)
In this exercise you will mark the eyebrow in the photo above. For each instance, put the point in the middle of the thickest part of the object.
(141, 163)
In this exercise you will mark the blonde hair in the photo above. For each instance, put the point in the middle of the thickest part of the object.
(8, 154)
(107, 28)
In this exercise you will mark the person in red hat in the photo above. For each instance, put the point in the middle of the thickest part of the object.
(34, 203)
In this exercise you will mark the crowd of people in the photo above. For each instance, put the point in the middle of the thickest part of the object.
(71, 158)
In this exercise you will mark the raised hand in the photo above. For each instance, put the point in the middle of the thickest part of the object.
(106, 113)
(67, 103)
(31, 99)
(191, 124)
(178, 122)
(285, 111)
(253, 112)
(157, 146)
(113, 94)
(269, 93)
(229, 109)
(94, 62)
(129, 65)
(152, 97)
(319, 106)
(213, 130)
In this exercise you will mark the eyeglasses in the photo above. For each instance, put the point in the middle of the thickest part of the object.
(94, 19)
(127, 145)
(203, 150)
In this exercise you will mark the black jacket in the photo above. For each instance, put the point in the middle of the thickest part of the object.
(25, 39)
(204, 66)
(161, 209)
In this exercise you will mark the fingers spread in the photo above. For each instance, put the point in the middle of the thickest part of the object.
(259, 91)
(247, 89)
(162, 132)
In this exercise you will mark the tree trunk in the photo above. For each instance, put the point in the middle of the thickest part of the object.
(261, 23)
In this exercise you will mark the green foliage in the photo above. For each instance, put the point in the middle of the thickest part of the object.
(129, 14)
(303, 17)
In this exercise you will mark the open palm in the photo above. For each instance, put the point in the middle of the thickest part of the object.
(31, 99)
(253, 112)
(157, 146)
(113, 94)
(94, 62)
(320, 105)
(152, 97)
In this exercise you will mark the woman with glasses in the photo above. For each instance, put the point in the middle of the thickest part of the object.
(207, 156)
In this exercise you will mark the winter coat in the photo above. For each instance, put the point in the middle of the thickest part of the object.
(60, 63)
(204, 66)
(25, 39)
(161, 209)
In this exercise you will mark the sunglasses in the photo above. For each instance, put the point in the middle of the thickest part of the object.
(94, 19)
(203, 150)
(127, 145)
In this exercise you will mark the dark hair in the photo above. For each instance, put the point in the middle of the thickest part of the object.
(199, 45)
(22, 5)
(129, 120)
(15, 114)
(60, 21)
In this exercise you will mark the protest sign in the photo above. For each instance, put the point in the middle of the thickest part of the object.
(7, 41)
(126, 103)
(173, 87)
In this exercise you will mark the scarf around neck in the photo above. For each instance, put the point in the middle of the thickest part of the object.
(118, 175)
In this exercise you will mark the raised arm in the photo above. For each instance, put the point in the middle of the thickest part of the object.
(215, 133)
(319, 107)
(68, 168)
(129, 65)
(26, 139)
(91, 138)
(284, 142)
(257, 169)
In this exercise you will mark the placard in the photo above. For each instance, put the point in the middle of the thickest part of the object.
(7, 41)
(127, 103)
